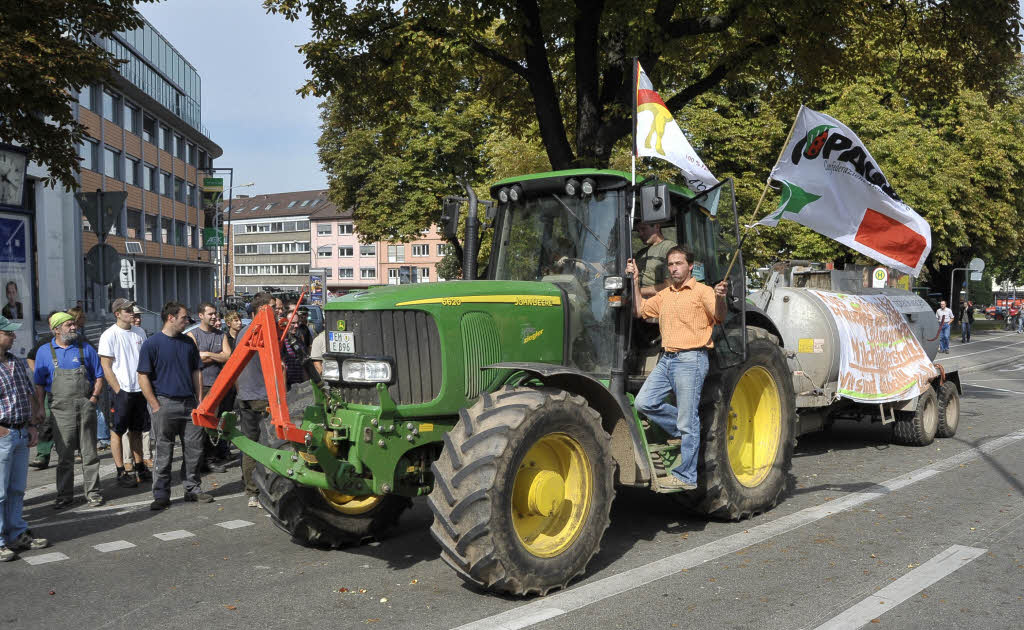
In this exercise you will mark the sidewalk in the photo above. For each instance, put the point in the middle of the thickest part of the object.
(988, 348)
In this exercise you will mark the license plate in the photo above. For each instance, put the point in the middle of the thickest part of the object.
(344, 342)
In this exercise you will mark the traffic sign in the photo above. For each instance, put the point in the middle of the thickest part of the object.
(100, 222)
(975, 276)
(213, 237)
(213, 184)
(127, 274)
(976, 264)
(880, 278)
(103, 264)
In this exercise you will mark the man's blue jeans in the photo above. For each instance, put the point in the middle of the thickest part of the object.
(682, 373)
(965, 331)
(944, 338)
(13, 479)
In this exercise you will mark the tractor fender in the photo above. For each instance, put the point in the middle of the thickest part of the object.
(614, 414)
(757, 317)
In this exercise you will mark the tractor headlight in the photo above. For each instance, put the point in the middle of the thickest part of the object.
(588, 187)
(515, 193)
(572, 187)
(503, 195)
(365, 371)
(613, 283)
(331, 371)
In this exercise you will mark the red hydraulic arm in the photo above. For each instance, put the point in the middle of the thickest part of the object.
(260, 338)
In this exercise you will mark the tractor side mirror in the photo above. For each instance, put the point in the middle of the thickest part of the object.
(491, 210)
(655, 206)
(450, 217)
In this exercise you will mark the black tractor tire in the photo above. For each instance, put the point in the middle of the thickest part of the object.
(719, 493)
(475, 476)
(304, 512)
(949, 410)
(919, 427)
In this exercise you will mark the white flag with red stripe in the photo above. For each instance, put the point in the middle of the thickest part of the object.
(656, 134)
(831, 184)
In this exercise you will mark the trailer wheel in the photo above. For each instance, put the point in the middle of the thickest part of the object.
(949, 410)
(322, 518)
(523, 490)
(747, 434)
(918, 428)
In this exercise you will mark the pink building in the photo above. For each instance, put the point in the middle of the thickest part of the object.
(405, 263)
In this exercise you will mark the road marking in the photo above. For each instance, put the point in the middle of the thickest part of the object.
(175, 535)
(998, 389)
(116, 545)
(234, 524)
(55, 556)
(90, 514)
(903, 589)
(960, 356)
(575, 598)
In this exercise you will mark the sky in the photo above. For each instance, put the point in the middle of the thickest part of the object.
(250, 68)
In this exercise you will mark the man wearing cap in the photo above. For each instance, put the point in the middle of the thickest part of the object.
(69, 369)
(119, 356)
(19, 417)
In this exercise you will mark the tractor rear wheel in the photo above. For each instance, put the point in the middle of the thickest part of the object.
(523, 490)
(322, 518)
(747, 434)
(949, 410)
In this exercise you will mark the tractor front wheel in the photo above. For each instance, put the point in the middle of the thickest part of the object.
(322, 518)
(523, 490)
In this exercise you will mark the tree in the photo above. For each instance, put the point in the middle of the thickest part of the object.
(567, 66)
(48, 55)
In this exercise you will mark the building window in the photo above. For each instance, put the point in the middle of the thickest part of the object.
(179, 189)
(131, 171)
(421, 250)
(392, 276)
(345, 228)
(179, 147)
(323, 251)
(190, 153)
(111, 107)
(111, 163)
(165, 184)
(396, 253)
(85, 97)
(166, 139)
(134, 226)
(89, 151)
(149, 181)
(345, 251)
(424, 274)
(323, 229)
(367, 250)
(202, 159)
(179, 234)
(345, 272)
(368, 273)
(302, 226)
(148, 129)
(190, 194)
(150, 227)
(327, 272)
(131, 118)
(165, 231)
(292, 204)
(443, 249)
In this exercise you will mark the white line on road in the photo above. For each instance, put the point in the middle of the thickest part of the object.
(969, 354)
(116, 545)
(903, 589)
(55, 556)
(89, 514)
(586, 594)
(998, 389)
(234, 524)
(174, 535)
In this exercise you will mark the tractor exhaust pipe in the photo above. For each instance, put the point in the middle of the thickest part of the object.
(472, 244)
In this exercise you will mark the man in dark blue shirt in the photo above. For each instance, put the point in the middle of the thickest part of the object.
(171, 381)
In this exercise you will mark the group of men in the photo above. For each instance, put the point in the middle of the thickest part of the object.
(944, 316)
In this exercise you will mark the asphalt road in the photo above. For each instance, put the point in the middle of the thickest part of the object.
(874, 535)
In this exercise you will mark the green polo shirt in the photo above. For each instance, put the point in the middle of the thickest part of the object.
(652, 263)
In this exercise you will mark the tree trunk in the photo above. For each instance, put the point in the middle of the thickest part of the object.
(588, 108)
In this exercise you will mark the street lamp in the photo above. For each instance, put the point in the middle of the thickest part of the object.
(223, 260)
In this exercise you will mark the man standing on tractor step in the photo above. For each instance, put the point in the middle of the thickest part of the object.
(651, 260)
(171, 381)
(251, 403)
(687, 312)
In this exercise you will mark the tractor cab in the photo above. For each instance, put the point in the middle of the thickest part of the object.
(576, 230)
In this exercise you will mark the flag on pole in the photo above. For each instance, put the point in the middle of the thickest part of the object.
(656, 134)
(831, 184)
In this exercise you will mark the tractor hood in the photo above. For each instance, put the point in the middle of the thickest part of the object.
(453, 293)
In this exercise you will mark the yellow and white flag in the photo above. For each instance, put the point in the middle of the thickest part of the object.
(656, 134)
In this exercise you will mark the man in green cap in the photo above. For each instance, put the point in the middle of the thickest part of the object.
(69, 370)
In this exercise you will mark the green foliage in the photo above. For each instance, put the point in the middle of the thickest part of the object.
(46, 57)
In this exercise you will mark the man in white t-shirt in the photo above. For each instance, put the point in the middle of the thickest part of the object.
(945, 317)
(119, 356)
(316, 352)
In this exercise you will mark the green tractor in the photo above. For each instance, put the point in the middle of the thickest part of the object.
(508, 400)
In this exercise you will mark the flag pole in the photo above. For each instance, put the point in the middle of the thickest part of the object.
(764, 192)
(632, 152)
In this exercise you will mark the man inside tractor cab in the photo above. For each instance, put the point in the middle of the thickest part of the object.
(652, 260)
(687, 312)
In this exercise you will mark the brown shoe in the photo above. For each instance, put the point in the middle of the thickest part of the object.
(675, 483)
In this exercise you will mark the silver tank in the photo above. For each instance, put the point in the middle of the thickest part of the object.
(809, 331)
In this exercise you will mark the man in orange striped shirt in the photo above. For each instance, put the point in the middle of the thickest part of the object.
(687, 312)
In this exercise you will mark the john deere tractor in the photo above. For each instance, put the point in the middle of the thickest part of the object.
(508, 400)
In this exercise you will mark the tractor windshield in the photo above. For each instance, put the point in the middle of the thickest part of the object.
(571, 242)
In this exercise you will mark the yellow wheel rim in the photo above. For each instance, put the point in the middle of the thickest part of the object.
(755, 426)
(551, 495)
(350, 504)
